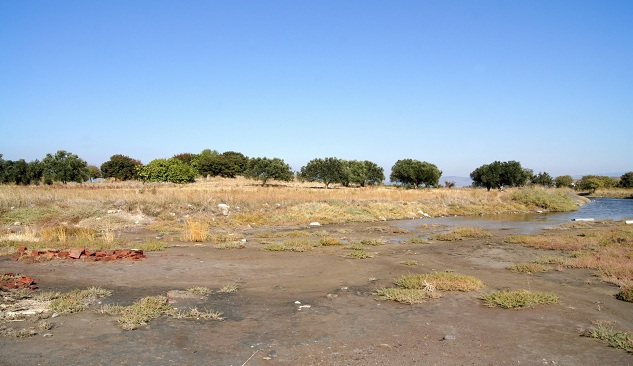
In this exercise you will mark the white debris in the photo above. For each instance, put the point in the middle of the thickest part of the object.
(314, 223)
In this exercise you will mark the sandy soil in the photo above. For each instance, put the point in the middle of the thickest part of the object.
(345, 323)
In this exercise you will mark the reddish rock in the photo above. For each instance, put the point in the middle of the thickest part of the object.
(76, 253)
(35, 253)
(22, 249)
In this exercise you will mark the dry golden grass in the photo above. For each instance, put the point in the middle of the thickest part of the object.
(443, 281)
(195, 230)
(519, 299)
(530, 268)
(461, 233)
(251, 204)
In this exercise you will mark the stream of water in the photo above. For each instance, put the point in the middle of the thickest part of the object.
(597, 209)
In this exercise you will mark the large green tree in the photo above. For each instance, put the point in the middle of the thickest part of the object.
(564, 181)
(500, 174)
(543, 179)
(626, 180)
(229, 164)
(326, 171)
(167, 170)
(64, 167)
(265, 169)
(362, 173)
(120, 167)
(415, 173)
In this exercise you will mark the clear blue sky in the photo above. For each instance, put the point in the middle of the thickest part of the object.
(456, 83)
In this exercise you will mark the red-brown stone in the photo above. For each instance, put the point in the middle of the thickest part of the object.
(76, 253)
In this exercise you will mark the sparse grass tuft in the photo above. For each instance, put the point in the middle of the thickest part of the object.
(519, 299)
(230, 245)
(228, 289)
(76, 300)
(416, 240)
(626, 294)
(358, 254)
(140, 312)
(529, 268)
(443, 281)
(194, 313)
(195, 230)
(330, 241)
(152, 246)
(406, 295)
(275, 247)
(461, 233)
(372, 242)
(607, 334)
(410, 263)
(199, 291)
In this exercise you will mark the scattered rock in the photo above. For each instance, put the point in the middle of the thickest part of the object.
(315, 223)
(272, 353)
(449, 337)
(47, 335)
(224, 209)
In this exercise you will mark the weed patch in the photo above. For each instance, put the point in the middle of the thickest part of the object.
(406, 295)
(330, 241)
(530, 268)
(519, 299)
(626, 294)
(610, 336)
(443, 281)
(461, 233)
(359, 254)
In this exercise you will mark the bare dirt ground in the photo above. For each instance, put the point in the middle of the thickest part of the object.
(344, 324)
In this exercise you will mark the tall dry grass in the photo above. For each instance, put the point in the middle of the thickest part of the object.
(251, 204)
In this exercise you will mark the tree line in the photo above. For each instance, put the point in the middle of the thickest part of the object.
(67, 167)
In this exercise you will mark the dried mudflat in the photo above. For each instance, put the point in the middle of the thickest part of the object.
(267, 322)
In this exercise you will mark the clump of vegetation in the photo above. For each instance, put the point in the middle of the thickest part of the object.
(152, 246)
(461, 233)
(199, 291)
(230, 245)
(559, 200)
(416, 240)
(626, 294)
(359, 254)
(275, 247)
(442, 281)
(550, 242)
(195, 230)
(225, 237)
(410, 263)
(607, 334)
(330, 241)
(228, 289)
(140, 312)
(372, 242)
(406, 295)
(519, 299)
(76, 300)
(551, 260)
(529, 268)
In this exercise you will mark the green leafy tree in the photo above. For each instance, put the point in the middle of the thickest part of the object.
(120, 167)
(15, 172)
(64, 167)
(167, 170)
(500, 174)
(326, 171)
(94, 172)
(265, 169)
(543, 179)
(204, 162)
(229, 164)
(564, 181)
(589, 183)
(626, 180)
(362, 173)
(35, 170)
(415, 173)
(187, 158)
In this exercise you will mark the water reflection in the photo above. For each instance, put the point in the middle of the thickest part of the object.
(598, 209)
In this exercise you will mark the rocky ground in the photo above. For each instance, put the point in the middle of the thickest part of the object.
(319, 308)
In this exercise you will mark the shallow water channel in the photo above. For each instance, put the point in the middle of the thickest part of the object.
(527, 223)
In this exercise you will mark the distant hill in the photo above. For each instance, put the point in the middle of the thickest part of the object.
(459, 181)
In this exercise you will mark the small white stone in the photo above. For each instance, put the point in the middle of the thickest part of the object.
(314, 223)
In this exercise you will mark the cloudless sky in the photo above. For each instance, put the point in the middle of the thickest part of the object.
(456, 83)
